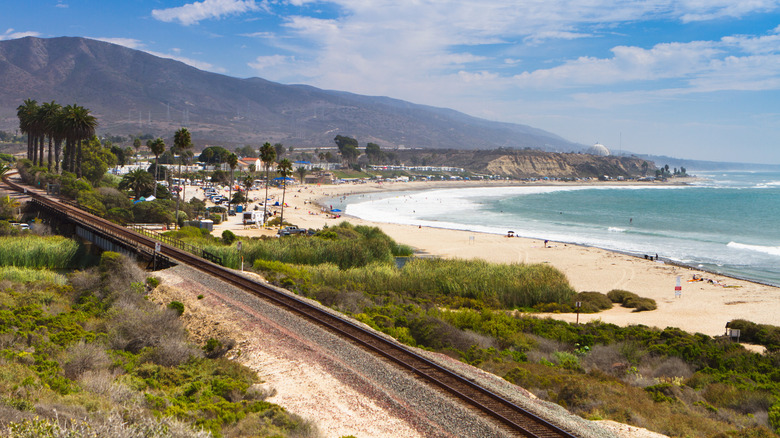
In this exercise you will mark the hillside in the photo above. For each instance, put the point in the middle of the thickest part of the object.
(133, 92)
(528, 163)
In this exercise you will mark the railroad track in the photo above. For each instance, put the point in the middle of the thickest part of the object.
(514, 418)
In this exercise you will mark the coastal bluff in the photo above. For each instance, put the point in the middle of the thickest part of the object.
(528, 163)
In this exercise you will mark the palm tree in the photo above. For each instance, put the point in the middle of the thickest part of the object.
(248, 183)
(285, 169)
(267, 156)
(50, 112)
(58, 130)
(80, 125)
(232, 161)
(4, 168)
(39, 132)
(157, 147)
(26, 114)
(137, 147)
(139, 181)
(301, 173)
(182, 143)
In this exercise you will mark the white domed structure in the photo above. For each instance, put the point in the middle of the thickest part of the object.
(598, 149)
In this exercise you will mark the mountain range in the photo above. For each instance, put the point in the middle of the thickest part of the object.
(133, 93)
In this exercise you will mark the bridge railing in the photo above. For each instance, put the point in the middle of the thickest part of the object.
(176, 243)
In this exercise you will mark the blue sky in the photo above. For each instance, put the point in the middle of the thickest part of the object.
(692, 79)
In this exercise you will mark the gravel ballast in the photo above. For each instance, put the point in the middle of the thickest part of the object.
(332, 382)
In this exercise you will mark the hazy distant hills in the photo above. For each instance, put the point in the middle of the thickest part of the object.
(133, 92)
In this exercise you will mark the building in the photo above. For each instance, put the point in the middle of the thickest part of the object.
(599, 150)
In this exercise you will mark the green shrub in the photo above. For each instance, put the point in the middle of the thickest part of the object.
(762, 334)
(631, 300)
(228, 237)
(593, 302)
(640, 304)
(620, 296)
(152, 282)
(176, 306)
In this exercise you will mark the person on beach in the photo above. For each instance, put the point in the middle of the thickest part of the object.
(545, 243)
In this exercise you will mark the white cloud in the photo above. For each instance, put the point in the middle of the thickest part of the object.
(10, 34)
(61, 5)
(193, 13)
(448, 53)
(663, 61)
(705, 10)
(201, 65)
(755, 45)
(258, 35)
(264, 62)
(126, 42)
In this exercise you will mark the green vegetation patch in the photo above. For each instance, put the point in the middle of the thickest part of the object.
(496, 285)
(631, 300)
(41, 252)
(345, 246)
(109, 362)
(27, 275)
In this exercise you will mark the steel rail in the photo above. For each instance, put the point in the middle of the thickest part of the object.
(518, 419)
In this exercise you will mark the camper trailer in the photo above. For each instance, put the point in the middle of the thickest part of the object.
(253, 218)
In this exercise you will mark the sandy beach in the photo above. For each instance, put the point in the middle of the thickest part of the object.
(702, 307)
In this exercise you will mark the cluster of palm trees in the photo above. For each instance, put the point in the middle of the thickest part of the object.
(72, 124)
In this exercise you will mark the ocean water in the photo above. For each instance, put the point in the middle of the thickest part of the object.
(729, 222)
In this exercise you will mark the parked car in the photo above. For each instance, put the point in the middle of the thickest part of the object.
(291, 230)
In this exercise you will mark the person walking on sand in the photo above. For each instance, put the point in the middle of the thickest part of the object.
(545, 243)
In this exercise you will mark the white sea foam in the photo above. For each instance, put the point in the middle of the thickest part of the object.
(616, 230)
(772, 250)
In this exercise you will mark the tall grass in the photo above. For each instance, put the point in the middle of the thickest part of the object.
(504, 285)
(308, 251)
(27, 275)
(32, 251)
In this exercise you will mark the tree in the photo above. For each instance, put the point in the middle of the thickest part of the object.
(137, 147)
(59, 130)
(157, 147)
(374, 153)
(214, 155)
(285, 169)
(267, 156)
(246, 151)
(645, 165)
(80, 125)
(182, 142)
(139, 181)
(50, 113)
(279, 148)
(249, 181)
(96, 160)
(348, 148)
(233, 163)
(301, 173)
(238, 198)
(8, 207)
(26, 113)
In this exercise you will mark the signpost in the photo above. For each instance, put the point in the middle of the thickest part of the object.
(678, 288)
(578, 305)
(157, 248)
(238, 247)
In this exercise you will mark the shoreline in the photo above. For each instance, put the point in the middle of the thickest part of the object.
(667, 260)
(703, 307)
